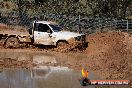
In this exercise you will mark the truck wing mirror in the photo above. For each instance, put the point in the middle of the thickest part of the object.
(49, 31)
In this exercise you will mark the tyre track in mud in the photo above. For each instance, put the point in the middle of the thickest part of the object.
(62, 49)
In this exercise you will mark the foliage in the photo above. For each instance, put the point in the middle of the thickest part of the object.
(108, 8)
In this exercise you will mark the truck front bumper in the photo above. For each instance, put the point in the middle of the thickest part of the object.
(79, 41)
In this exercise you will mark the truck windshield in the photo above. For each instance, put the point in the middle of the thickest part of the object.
(56, 28)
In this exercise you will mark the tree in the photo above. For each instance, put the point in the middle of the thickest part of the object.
(113, 8)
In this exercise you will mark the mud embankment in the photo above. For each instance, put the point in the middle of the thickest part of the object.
(110, 54)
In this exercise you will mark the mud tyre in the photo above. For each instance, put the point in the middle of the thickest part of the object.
(62, 47)
(12, 42)
(62, 44)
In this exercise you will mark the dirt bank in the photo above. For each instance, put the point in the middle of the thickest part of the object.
(110, 54)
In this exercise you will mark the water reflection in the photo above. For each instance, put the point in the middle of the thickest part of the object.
(39, 77)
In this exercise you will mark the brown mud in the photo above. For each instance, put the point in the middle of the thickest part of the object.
(108, 54)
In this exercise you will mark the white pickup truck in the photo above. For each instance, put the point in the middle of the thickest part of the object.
(49, 33)
(45, 33)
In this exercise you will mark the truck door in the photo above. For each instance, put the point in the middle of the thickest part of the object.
(42, 34)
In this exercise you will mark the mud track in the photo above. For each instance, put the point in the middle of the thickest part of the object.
(109, 55)
(63, 49)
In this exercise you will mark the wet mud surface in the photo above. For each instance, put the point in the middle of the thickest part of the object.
(108, 56)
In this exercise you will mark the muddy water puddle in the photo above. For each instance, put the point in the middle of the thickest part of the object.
(46, 77)
(40, 76)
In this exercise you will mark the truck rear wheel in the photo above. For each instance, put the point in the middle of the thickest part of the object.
(12, 42)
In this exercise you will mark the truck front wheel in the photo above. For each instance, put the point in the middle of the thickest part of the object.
(11, 42)
(62, 46)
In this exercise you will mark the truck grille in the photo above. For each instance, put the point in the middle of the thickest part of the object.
(80, 38)
(83, 37)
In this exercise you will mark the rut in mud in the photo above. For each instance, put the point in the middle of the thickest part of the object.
(14, 63)
(63, 49)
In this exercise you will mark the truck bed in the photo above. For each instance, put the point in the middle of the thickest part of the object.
(14, 32)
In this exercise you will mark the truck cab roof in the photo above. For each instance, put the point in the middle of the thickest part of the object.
(46, 22)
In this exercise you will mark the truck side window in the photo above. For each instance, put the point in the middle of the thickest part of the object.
(42, 27)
